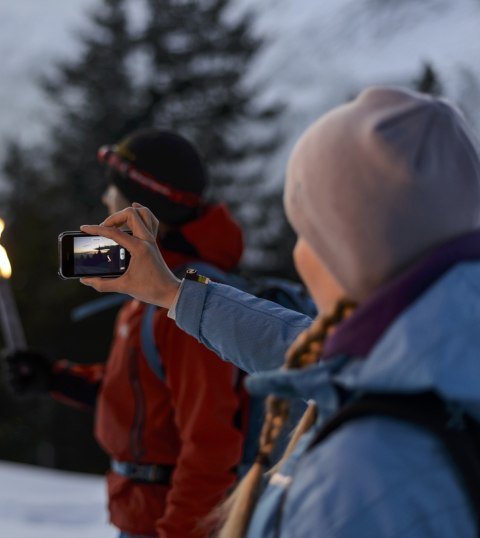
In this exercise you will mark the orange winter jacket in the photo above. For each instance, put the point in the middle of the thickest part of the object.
(187, 421)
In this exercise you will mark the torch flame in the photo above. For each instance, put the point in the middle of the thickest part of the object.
(5, 267)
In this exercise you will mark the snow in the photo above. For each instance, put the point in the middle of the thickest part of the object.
(42, 503)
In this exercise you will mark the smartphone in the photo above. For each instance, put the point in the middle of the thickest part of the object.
(82, 255)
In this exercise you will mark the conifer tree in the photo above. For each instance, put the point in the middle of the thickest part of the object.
(198, 58)
(428, 81)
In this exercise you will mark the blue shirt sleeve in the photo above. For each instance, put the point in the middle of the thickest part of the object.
(252, 333)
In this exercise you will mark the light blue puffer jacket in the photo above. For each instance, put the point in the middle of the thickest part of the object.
(374, 477)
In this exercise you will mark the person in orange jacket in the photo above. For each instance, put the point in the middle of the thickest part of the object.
(173, 442)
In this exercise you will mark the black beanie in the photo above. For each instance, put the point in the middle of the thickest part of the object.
(159, 169)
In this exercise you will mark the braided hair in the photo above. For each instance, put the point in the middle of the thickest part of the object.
(305, 351)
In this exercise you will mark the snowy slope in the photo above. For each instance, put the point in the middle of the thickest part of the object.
(40, 503)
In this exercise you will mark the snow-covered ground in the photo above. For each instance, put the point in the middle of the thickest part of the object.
(41, 503)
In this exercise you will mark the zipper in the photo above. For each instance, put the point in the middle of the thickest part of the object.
(136, 434)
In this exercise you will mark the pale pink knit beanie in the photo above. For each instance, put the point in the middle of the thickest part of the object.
(376, 183)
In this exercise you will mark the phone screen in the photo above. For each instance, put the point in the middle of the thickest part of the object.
(91, 255)
(96, 255)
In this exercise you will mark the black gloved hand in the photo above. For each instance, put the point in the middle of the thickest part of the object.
(27, 372)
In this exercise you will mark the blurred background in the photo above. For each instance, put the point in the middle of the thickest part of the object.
(241, 78)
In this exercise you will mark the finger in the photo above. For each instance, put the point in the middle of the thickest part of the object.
(122, 238)
(148, 218)
(120, 218)
(130, 217)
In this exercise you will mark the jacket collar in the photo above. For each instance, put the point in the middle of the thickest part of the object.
(214, 238)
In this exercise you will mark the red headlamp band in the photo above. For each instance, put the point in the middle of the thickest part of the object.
(107, 155)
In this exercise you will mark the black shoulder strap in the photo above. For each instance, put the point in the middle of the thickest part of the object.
(459, 433)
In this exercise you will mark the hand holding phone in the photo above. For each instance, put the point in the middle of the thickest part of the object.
(83, 255)
(148, 279)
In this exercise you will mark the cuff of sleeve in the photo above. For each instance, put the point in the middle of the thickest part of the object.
(189, 306)
(172, 312)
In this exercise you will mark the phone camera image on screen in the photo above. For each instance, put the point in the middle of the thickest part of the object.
(95, 255)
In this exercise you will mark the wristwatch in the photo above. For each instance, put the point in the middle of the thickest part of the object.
(192, 274)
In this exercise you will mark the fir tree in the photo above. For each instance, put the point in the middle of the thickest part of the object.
(198, 60)
(428, 81)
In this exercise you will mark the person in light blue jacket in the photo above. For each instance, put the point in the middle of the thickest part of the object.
(384, 194)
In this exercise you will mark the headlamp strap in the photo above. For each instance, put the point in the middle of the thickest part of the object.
(107, 155)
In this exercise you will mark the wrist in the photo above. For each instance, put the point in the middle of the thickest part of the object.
(165, 297)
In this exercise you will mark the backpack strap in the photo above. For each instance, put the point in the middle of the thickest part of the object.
(149, 346)
(284, 292)
(154, 360)
(458, 432)
(147, 331)
(96, 306)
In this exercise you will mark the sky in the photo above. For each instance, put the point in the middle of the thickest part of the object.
(32, 34)
(87, 244)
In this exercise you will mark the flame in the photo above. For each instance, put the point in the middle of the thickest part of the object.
(5, 267)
